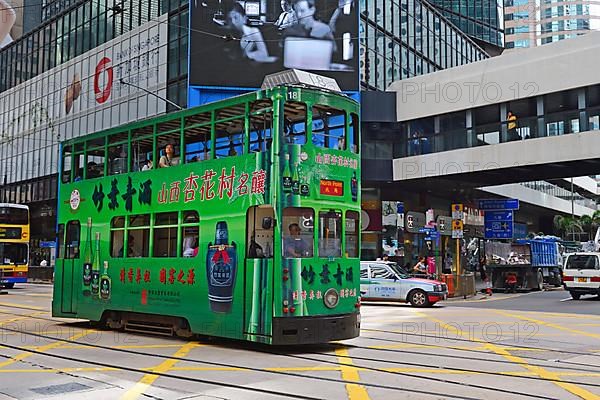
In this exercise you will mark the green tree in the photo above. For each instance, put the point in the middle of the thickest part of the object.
(567, 227)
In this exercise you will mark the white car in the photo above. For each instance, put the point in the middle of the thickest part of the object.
(384, 280)
(581, 274)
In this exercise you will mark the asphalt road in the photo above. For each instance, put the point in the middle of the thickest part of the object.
(476, 349)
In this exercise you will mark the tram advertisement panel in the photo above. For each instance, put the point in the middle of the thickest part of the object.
(246, 40)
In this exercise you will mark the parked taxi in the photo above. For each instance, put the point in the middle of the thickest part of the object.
(385, 280)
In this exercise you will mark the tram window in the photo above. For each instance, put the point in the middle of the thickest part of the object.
(352, 225)
(117, 153)
(330, 233)
(165, 235)
(259, 235)
(61, 240)
(260, 125)
(79, 162)
(139, 230)
(95, 162)
(229, 138)
(141, 148)
(353, 133)
(66, 164)
(298, 232)
(72, 239)
(139, 220)
(197, 143)
(190, 233)
(294, 127)
(138, 242)
(328, 127)
(117, 233)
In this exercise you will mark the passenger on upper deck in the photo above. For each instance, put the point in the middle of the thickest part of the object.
(168, 159)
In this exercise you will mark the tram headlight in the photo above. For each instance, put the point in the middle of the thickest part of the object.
(331, 298)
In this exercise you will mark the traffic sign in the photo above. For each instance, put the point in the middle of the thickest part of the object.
(499, 204)
(414, 221)
(444, 225)
(457, 211)
(457, 229)
(498, 224)
(47, 244)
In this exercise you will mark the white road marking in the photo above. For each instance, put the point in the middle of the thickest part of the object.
(567, 299)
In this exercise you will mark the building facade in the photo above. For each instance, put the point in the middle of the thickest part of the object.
(532, 23)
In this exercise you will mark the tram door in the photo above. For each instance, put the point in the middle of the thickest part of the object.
(258, 272)
(70, 264)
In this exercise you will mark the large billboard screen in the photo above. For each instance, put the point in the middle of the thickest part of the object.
(237, 43)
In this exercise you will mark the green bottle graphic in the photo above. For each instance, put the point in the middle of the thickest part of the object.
(304, 189)
(87, 256)
(295, 180)
(105, 283)
(96, 268)
(287, 178)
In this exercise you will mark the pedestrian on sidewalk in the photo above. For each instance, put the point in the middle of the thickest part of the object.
(511, 283)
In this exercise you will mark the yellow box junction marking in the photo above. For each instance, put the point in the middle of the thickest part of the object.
(549, 324)
(539, 371)
(350, 374)
(147, 380)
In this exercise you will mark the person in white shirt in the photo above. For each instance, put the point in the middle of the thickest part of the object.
(7, 20)
(287, 18)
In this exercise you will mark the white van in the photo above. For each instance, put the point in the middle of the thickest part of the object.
(581, 274)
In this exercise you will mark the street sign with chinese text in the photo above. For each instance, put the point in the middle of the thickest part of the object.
(498, 225)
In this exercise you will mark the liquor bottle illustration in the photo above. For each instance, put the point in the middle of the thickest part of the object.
(221, 265)
(105, 283)
(295, 180)
(304, 190)
(287, 178)
(87, 256)
(95, 284)
(354, 186)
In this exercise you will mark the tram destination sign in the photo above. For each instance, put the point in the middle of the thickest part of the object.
(498, 204)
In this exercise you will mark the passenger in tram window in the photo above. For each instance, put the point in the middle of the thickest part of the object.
(168, 159)
(147, 165)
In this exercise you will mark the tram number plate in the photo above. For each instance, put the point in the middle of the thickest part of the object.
(581, 279)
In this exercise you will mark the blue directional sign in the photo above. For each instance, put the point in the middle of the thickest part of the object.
(498, 224)
(47, 244)
(499, 204)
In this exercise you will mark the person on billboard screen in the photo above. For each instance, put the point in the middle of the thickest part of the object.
(252, 43)
(308, 26)
(7, 20)
(288, 17)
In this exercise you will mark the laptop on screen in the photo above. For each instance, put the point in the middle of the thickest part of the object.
(309, 54)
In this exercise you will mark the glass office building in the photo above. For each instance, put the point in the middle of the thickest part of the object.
(481, 19)
(532, 23)
(400, 39)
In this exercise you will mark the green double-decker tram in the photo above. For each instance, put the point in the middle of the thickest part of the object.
(237, 219)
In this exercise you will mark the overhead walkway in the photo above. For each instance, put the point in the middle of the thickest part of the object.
(454, 125)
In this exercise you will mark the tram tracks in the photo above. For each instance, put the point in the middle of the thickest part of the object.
(323, 354)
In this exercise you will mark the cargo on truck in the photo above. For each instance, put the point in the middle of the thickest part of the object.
(535, 262)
